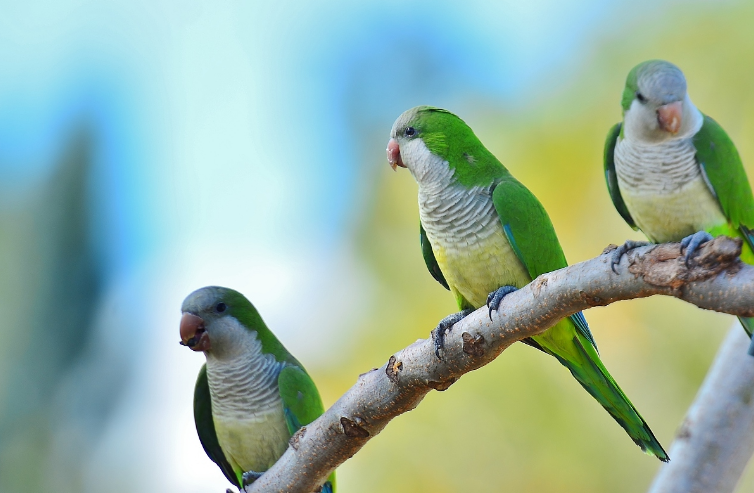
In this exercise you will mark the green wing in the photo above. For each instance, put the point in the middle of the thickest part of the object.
(612, 178)
(301, 401)
(301, 404)
(205, 426)
(530, 232)
(429, 258)
(726, 176)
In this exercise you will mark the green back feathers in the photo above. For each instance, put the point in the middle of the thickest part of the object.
(531, 234)
(449, 137)
(528, 228)
(301, 401)
(242, 310)
(725, 172)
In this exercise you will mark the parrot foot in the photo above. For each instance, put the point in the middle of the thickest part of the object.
(624, 249)
(495, 297)
(447, 323)
(692, 242)
(249, 477)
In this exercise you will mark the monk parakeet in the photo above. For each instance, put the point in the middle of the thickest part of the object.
(672, 171)
(483, 235)
(252, 394)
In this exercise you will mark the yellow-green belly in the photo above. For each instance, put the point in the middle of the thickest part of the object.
(473, 269)
(253, 444)
(673, 216)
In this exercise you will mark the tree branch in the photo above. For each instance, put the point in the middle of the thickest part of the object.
(716, 280)
(715, 441)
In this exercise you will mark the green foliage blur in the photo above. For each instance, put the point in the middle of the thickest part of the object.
(523, 423)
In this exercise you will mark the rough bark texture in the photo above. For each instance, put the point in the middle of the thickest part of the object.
(715, 280)
(716, 439)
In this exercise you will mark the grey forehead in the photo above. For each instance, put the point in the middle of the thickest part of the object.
(402, 121)
(201, 299)
(662, 82)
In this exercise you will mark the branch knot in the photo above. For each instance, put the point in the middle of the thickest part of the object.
(664, 265)
(473, 345)
(351, 429)
(393, 368)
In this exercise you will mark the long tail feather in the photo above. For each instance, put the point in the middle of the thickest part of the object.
(575, 352)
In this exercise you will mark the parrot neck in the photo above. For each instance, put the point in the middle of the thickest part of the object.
(656, 168)
(452, 214)
(244, 382)
(429, 170)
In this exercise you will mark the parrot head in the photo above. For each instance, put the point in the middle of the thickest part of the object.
(409, 134)
(215, 318)
(655, 102)
(431, 142)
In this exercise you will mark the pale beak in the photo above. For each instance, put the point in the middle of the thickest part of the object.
(193, 333)
(394, 154)
(669, 117)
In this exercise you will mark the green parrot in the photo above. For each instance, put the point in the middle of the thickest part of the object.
(252, 394)
(483, 235)
(673, 172)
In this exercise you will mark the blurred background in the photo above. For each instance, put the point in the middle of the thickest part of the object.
(148, 148)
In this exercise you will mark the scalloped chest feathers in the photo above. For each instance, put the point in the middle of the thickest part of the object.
(664, 189)
(466, 236)
(246, 406)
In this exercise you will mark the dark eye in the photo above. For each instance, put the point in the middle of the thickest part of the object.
(410, 131)
(220, 307)
(641, 97)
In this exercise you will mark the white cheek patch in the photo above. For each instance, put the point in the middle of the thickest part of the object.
(415, 156)
(639, 122)
(427, 168)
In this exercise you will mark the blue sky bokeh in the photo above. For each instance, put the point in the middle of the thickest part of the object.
(233, 145)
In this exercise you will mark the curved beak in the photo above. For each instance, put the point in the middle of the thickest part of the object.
(394, 154)
(669, 117)
(193, 333)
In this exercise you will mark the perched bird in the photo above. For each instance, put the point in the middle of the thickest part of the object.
(252, 394)
(672, 171)
(483, 235)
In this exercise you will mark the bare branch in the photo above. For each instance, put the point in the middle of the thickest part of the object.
(716, 280)
(716, 439)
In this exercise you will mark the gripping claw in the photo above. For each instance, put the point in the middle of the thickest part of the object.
(445, 325)
(624, 249)
(495, 297)
(249, 477)
(692, 242)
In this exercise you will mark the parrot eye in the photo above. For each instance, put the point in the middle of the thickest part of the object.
(410, 131)
(641, 97)
(220, 307)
